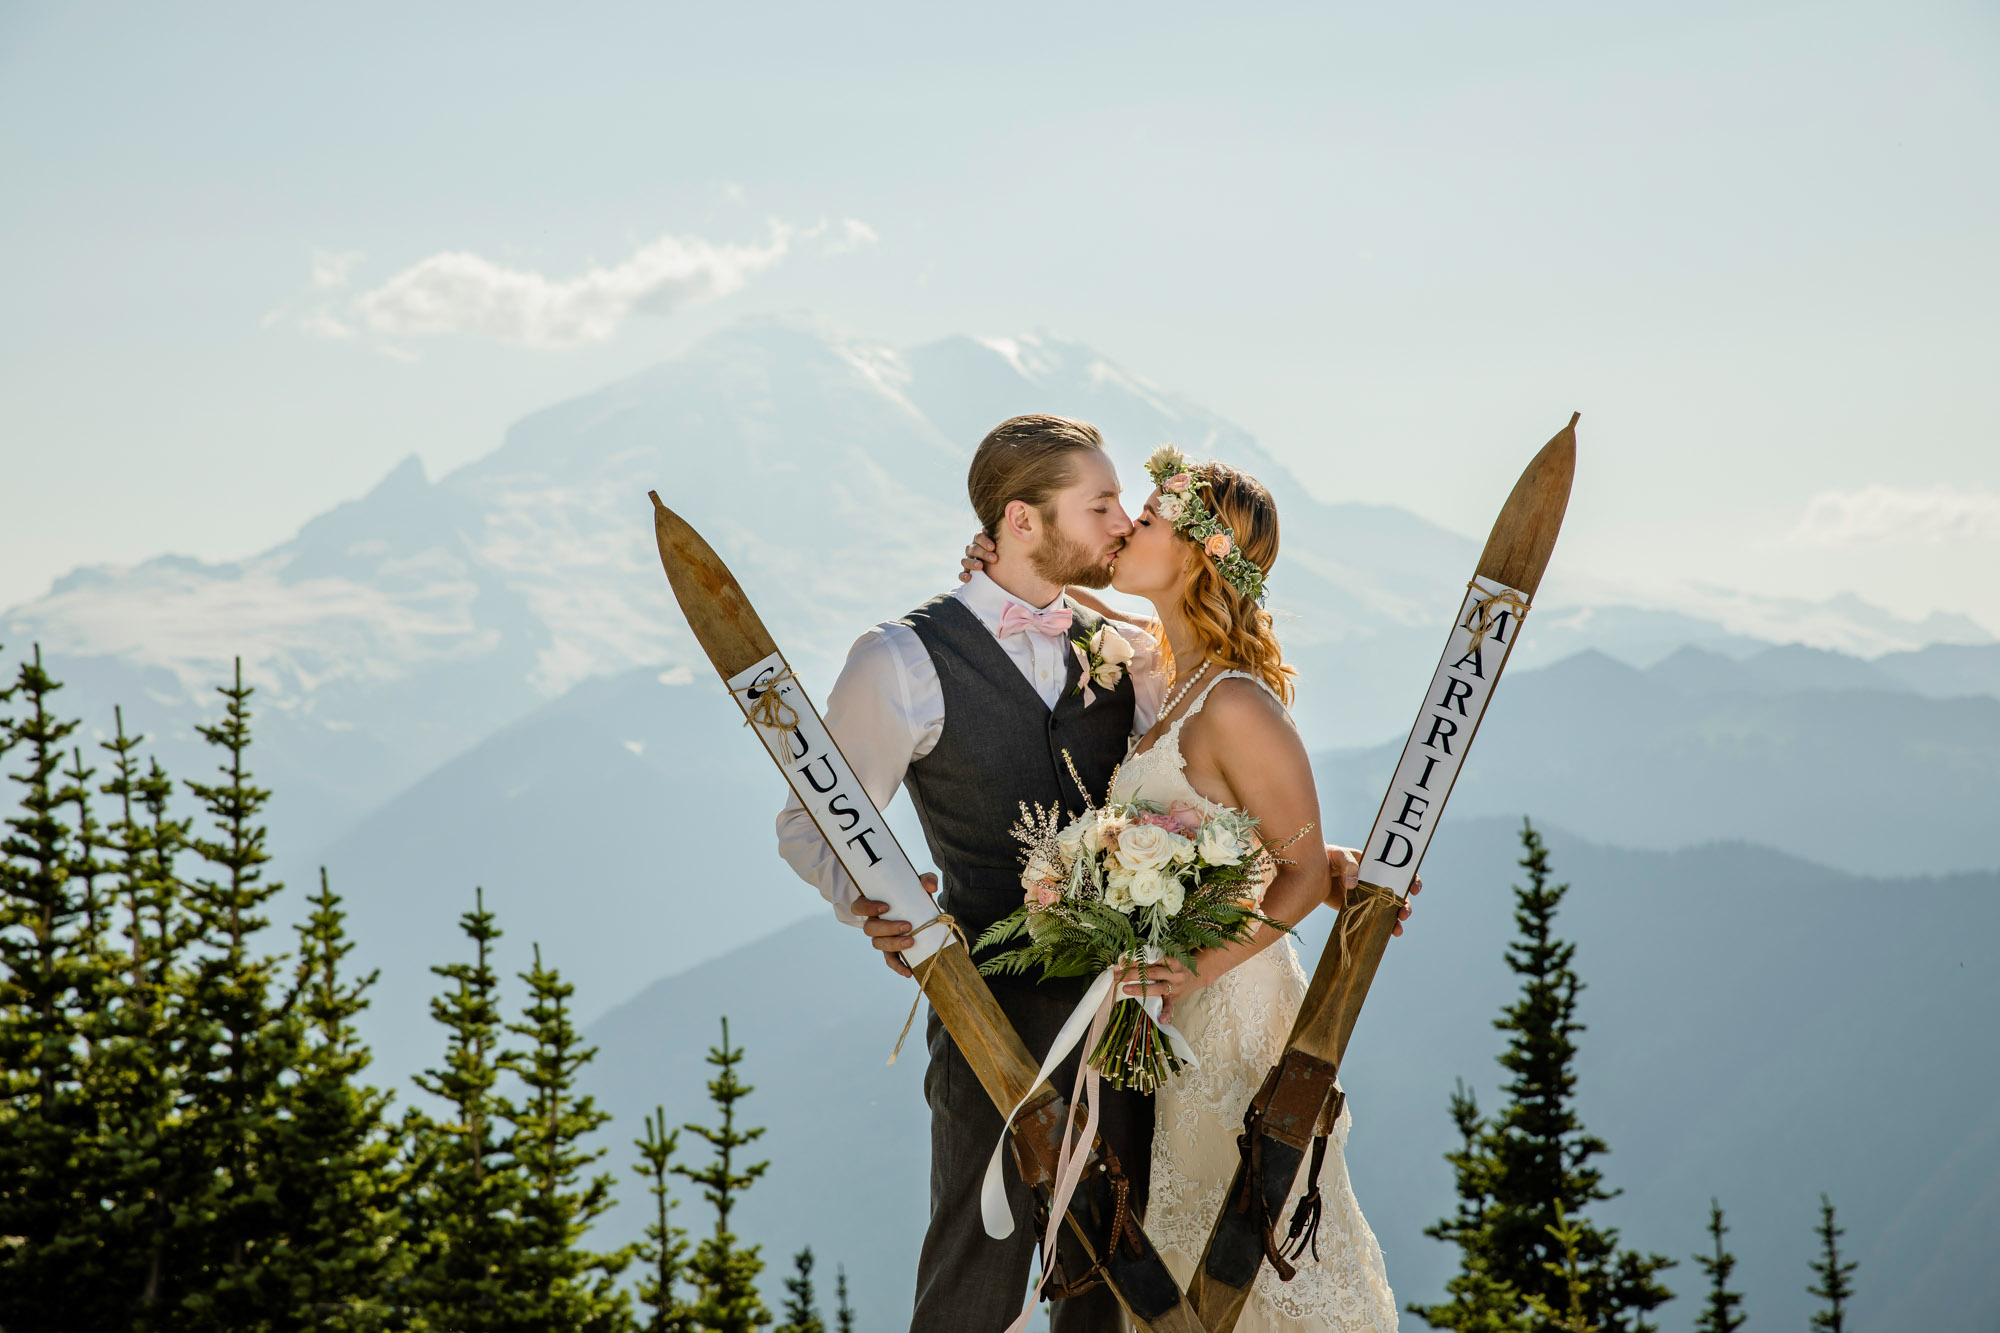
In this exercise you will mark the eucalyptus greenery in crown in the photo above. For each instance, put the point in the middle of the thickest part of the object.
(1183, 505)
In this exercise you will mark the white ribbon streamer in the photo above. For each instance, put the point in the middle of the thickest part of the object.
(999, 1218)
(993, 1207)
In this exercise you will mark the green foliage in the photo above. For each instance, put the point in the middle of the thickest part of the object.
(468, 1199)
(243, 1039)
(802, 1305)
(1529, 1169)
(664, 1251)
(151, 1164)
(51, 969)
(201, 1126)
(187, 1136)
(1721, 1312)
(558, 1284)
(843, 1314)
(725, 1271)
(1833, 1287)
(1570, 1318)
(334, 1165)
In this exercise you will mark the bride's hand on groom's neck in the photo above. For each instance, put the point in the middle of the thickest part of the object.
(980, 553)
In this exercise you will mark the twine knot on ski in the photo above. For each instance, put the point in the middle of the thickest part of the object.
(1106, 797)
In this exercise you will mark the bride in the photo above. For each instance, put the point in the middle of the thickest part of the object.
(1199, 552)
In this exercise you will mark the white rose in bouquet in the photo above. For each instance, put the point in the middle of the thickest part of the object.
(1219, 845)
(1176, 895)
(1118, 889)
(1150, 886)
(1076, 837)
(1184, 849)
(1145, 847)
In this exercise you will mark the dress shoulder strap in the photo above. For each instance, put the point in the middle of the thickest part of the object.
(1209, 688)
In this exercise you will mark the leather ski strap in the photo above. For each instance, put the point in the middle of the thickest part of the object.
(1304, 1232)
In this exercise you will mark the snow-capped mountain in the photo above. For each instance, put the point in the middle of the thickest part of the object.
(399, 629)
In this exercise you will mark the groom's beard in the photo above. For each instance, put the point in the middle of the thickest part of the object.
(1066, 562)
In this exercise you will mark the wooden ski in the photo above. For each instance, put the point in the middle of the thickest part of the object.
(777, 708)
(1297, 1105)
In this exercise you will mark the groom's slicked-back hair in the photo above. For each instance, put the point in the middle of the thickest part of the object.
(1028, 459)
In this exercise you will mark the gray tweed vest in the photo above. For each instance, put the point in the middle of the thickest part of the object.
(1001, 745)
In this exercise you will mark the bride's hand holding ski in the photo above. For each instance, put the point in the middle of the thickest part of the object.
(1346, 865)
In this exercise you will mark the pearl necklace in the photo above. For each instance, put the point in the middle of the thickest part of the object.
(1181, 693)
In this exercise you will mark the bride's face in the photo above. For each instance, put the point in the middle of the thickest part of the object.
(1153, 564)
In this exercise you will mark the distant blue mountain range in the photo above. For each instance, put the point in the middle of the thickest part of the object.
(482, 680)
(1758, 1028)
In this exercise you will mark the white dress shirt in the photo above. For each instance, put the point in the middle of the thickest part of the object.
(887, 710)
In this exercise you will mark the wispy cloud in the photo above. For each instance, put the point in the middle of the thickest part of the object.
(331, 269)
(1884, 515)
(852, 234)
(460, 292)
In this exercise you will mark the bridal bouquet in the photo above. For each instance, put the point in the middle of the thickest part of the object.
(1132, 883)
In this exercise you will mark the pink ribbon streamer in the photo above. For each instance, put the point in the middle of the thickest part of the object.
(1075, 1153)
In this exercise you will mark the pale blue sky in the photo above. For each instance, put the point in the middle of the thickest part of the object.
(1757, 245)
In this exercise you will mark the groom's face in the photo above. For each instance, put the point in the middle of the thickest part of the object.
(1085, 526)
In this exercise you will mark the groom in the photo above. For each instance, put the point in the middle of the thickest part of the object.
(971, 702)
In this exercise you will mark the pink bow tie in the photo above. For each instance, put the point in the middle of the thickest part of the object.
(1017, 619)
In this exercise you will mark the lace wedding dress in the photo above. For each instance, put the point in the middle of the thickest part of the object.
(1237, 1026)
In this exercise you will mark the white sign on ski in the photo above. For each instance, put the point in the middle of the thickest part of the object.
(1488, 623)
(854, 829)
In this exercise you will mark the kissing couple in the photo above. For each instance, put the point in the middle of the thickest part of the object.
(979, 701)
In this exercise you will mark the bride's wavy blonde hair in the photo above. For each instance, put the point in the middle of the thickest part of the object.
(1230, 627)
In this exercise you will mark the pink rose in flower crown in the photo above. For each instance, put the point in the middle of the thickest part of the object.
(1219, 545)
(1178, 483)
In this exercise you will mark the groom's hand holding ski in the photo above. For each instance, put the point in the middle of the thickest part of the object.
(891, 937)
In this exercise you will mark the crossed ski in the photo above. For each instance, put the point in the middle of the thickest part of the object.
(1295, 1109)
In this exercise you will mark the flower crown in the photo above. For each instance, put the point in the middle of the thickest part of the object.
(1181, 503)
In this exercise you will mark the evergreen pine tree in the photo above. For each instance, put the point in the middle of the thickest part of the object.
(333, 1165)
(664, 1252)
(558, 1283)
(1834, 1287)
(1535, 1153)
(1720, 1314)
(143, 1048)
(843, 1313)
(802, 1306)
(1569, 1277)
(724, 1271)
(1481, 1302)
(467, 1195)
(244, 1044)
(49, 965)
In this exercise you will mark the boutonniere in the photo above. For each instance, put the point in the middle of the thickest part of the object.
(1103, 657)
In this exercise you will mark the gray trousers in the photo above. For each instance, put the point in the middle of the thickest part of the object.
(968, 1282)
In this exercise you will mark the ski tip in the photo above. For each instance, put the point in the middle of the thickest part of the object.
(1524, 536)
